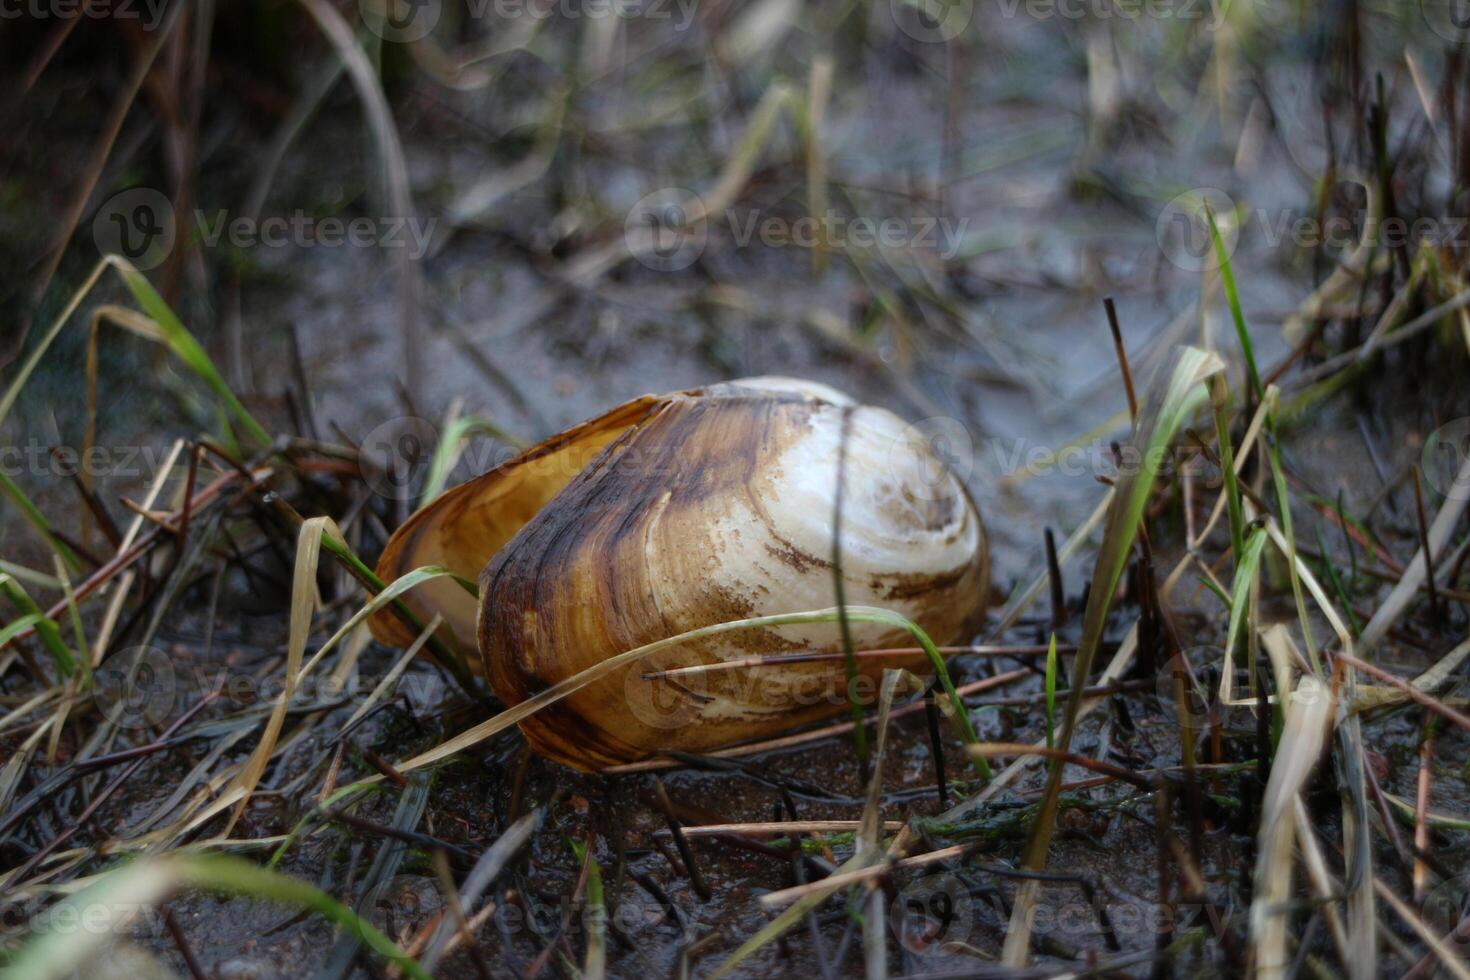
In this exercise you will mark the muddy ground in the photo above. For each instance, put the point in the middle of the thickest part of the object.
(1044, 151)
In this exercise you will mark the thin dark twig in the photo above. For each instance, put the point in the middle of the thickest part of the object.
(839, 588)
(407, 836)
(1428, 701)
(182, 942)
(456, 908)
(1069, 758)
(385, 767)
(701, 887)
(936, 744)
(102, 797)
(1424, 543)
(1054, 578)
(1122, 357)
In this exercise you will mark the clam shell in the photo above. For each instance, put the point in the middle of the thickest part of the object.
(675, 512)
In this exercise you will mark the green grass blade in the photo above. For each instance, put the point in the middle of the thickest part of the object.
(594, 915)
(1051, 692)
(1176, 392)
(116, 898)
(447, 452)
(188, 350)
(1245, 575)
(1220, 403)
(1232, 297)
(30, 364)
(1330, 568)
(33, 516)
(219, 872)
(1283, 504)
(47, 630)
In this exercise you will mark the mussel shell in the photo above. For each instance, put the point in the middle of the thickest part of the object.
(673, 513)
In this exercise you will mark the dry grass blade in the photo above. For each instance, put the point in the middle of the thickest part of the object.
(571, 685)
(875, 924)
(818, 734)
(810, 898)
(845, 877)
(1446, 954)
(1018, 605)
(1324, 886)
(481, 876)
(1308, 715)
(1407, 589)
(315, 534)
(1011, 773)
(303, 604)
(781, 828)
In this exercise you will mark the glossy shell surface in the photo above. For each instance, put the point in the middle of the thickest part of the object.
(675, 512)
